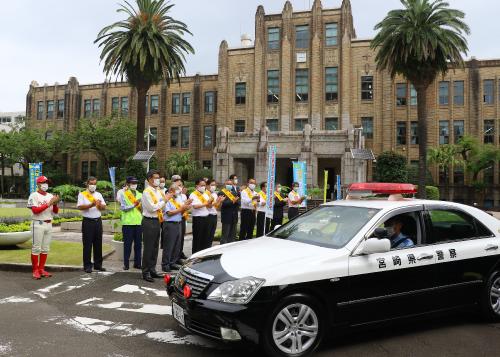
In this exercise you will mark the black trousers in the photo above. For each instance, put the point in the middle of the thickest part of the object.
(151, 231)
(171, 243)
(212, 227)
(263, 224)
(247, 224)
(132, 235)
(200, 233)
(183, 234)
(277, 221)
(92, 240)
(292, 212)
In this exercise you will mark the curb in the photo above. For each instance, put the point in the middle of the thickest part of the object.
(22, 267)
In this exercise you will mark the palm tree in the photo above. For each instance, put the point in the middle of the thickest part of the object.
(420, 41)
(146, 48)
(445, 156)
(181, 163)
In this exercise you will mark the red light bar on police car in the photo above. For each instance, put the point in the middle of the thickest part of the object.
(382, 188)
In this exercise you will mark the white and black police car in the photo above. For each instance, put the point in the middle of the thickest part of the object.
(336, 266)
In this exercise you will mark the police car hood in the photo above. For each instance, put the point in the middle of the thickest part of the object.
(278, 261)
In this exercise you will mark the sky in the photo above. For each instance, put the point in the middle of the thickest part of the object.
(51, 40)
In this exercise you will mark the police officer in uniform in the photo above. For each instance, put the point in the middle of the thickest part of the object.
(131, 220)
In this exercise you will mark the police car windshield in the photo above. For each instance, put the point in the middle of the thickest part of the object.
(326, 226)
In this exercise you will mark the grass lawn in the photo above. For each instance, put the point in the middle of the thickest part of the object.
(23, 212)
(61, 253)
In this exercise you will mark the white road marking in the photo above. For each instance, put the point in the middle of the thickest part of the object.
(171, 337)
(5, 348)
(15, 300)
(143, 290)
(86, 324)
(127, 306)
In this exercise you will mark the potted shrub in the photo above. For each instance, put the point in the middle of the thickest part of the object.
(13, 234)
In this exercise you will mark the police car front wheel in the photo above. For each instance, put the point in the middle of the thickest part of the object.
(491, 298)
(295, 327)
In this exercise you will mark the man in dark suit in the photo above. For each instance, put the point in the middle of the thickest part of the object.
(279, 203)
(229, 212)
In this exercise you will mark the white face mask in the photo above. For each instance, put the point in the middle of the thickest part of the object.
(156, 182)
(178, 192)
(201, 189)
(235, 181)
(92, 188)
(212, 188)
(162, 184)
(133, 187)
(251, 186)
(44, 187)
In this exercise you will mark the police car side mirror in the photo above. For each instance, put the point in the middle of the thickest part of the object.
(375, 245)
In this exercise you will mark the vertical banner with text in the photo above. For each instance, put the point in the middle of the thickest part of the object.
(271, 180)
(339, 188)
(300, 176)
(112, 177)
(35, 170)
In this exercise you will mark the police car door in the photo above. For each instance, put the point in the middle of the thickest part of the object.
(391, 284)
(466, 253)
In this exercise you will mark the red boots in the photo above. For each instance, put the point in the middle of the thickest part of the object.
(41, 267)
(34, 265)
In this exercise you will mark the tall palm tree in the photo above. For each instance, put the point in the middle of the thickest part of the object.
(444, 157)
(419, 42)
(146, 48)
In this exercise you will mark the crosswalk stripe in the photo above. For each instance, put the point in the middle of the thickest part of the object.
(143, 290)
(127, 306)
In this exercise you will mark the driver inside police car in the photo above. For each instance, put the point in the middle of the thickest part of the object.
(397, 237)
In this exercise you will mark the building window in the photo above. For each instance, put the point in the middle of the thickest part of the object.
(273, 86)
(302, 36)
(60, 108)
(240, 92)
(239, 126)
(272, 124)
(458, 175)
(174, 136)
(444, 132)
(176, 103)
(186, 103)
(458, 130)
(414, 133)
(401, 94)
(489, 131)
(153, 137)
(208, 137)
(50, 109)
(331, 34)
(48, 135)
(401, 133)
(85, 170)
(185, 137)
(273, 38)
(413, 95)
(209, 102)
(458, 92)
(367, 124)
(367, 87)
(39, 110)
(444, 92)
(87, 108)
(115, 105)
(331, 123)
(488, 175)
(331, 83)
(93, 168)
(300, 124)
(207, 164)
(154, 104)
(96, 106)
(301, 85)
(488, 97)
(124, 106)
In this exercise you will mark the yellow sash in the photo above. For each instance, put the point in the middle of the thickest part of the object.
(88, 196)
(278, 196)
(175, 203)
(130, 196)
(229, 194)
(201, 197)
(263, 195)
(155, 201)
(250, 195)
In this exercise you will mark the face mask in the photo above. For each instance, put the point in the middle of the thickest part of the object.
(156, 182)
(92, 188)
(201, 189)
(162, 184)
(390, 231)
(133, 187)
(212, 188)
(229, 187)
(251, 186)
(235, 181)
(44, 187)
(177, 192)
(278, 188)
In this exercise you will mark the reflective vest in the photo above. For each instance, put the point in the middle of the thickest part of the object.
(132, 217)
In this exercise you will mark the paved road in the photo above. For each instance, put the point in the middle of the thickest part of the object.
(118, 315)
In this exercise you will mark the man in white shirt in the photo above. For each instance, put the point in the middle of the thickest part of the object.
(182, 198)
(263, 223)
(153, 201)
(43, 206)
(249, 201)
(294, 201)
(91, 203)
(201, 201)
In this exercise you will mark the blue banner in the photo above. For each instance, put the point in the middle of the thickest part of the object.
(339, 188)
(112, 171)
(300, 176)
(271, 180)
(35, 170)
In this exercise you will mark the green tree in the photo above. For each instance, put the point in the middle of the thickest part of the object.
(146, 48)
(477, 156)
(391, 167)
(109, 137)
(181, 163)
(419, 42)
(444, 157)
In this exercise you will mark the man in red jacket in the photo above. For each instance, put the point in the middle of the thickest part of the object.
(43, 206)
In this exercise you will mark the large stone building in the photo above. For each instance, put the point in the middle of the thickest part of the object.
(305, 84)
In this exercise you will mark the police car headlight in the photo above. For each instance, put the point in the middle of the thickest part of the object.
(239, 291)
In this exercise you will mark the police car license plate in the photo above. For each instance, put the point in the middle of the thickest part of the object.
(178, 313)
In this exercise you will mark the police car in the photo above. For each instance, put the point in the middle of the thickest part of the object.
(334, 267)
